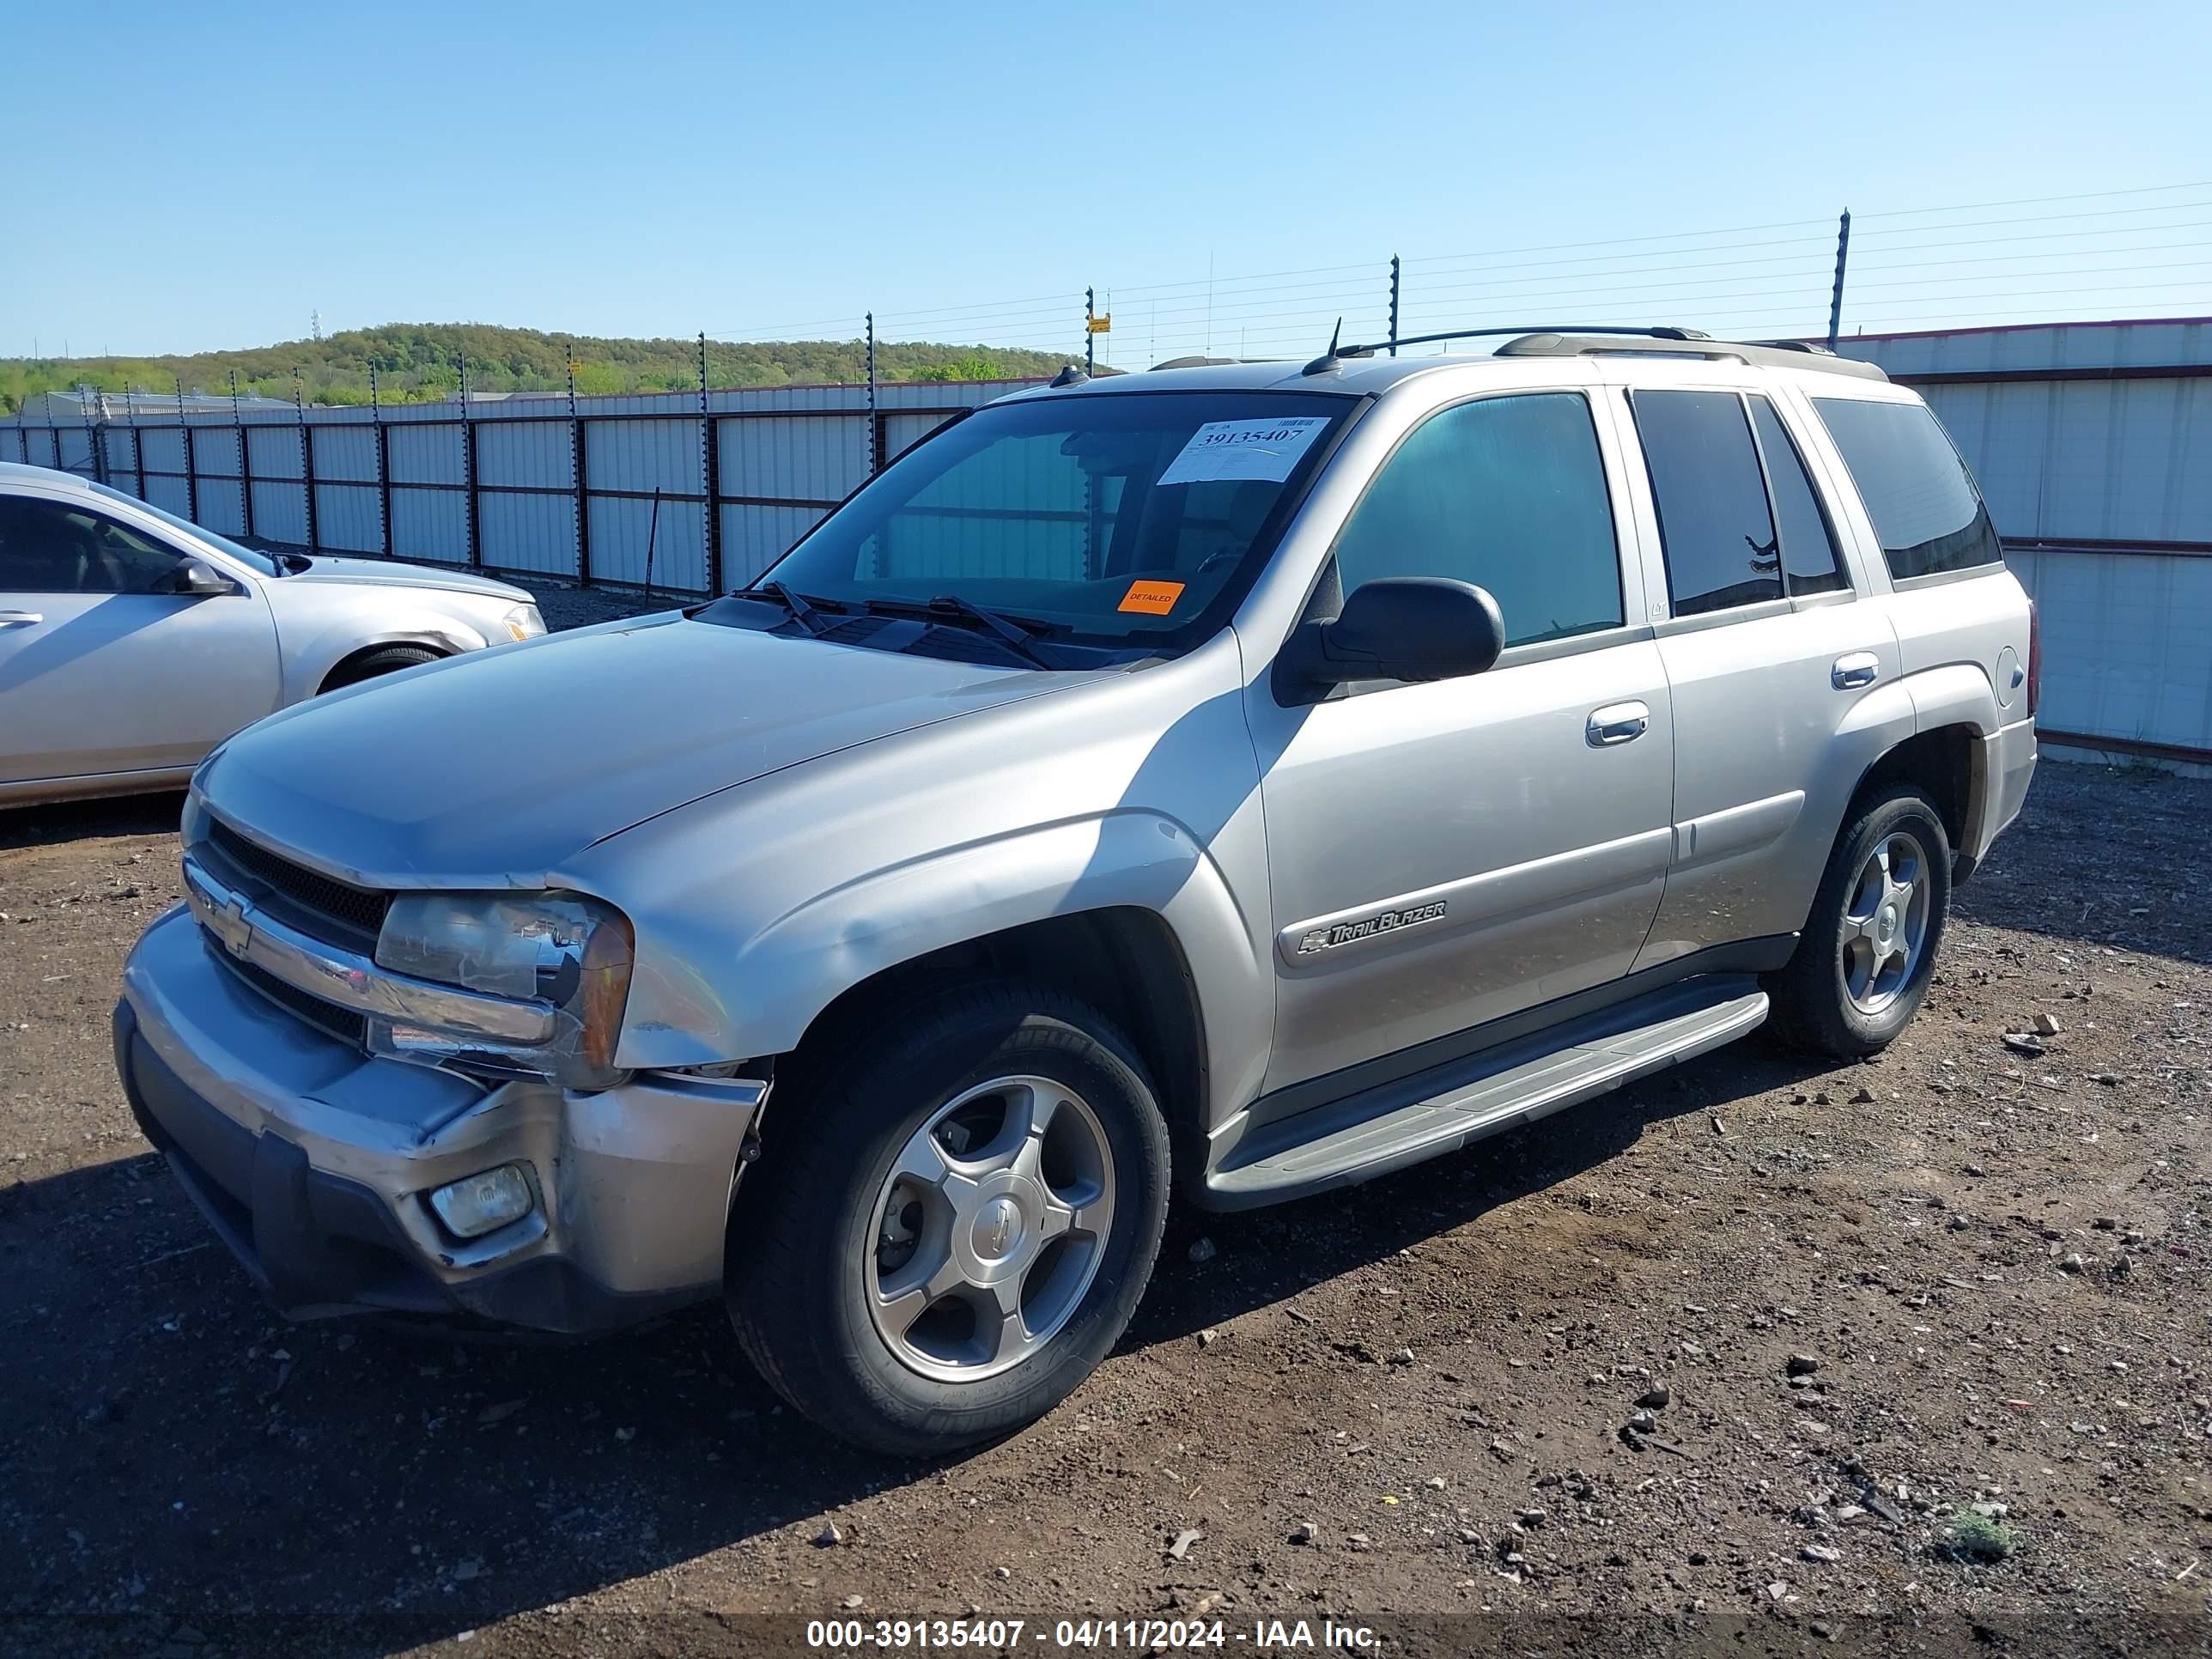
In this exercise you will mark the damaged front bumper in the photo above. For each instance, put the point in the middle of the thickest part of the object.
(315, 1162)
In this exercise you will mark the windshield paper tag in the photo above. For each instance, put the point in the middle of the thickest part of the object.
(1243, 450)
(1151, 598)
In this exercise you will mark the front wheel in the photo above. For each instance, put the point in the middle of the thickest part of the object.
(1861, 969)
(952, 1227)
(374, 665)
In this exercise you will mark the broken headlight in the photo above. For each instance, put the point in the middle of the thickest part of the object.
(560, 948)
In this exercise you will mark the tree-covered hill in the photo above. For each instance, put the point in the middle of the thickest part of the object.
(421, 361)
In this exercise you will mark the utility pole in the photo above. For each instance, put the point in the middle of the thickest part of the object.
(1836, 299)
(875, 459)
(1394, 305)
(1090, 331)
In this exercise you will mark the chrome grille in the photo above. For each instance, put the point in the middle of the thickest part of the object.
(312, 901)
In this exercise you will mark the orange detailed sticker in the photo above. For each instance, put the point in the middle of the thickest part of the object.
(1151, 598)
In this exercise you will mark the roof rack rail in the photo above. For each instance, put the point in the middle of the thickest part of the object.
(1332, 358)
(1793, 354)
(1598, 339)
(1210, 362)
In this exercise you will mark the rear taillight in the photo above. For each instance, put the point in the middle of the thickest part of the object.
(2034, 657)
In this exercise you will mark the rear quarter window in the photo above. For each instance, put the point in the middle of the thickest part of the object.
(1925, 508)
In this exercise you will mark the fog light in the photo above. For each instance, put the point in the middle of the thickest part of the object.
(479, 1203)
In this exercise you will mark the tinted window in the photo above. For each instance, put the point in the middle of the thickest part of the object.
(1809, 551)
(1719, 538)
(1508, 494)
(1917, 490)
(47, 547)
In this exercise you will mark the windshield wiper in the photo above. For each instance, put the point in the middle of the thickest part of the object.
(801, 608)
(1015, 632)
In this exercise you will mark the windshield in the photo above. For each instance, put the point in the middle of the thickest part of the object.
(1116, 518)
(244, 556)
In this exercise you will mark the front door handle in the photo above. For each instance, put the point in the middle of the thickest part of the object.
(1617, 722)
(1857, 669)
(18, 619)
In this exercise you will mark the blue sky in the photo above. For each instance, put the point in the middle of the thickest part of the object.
(185, 178)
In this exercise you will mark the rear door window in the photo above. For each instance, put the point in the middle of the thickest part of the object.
(1926, 511)
(1809, 564)
(1719, 538)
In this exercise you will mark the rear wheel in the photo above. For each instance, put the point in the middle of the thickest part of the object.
(389, 659)
(1861, 967)
(953, 1226)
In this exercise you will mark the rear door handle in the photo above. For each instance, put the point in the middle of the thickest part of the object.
(1857, 669)
(1617, 722)
(18, 619)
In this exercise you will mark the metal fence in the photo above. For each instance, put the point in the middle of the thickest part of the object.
(689, 492)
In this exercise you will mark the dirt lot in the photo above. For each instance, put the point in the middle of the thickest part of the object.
(1995, 1266)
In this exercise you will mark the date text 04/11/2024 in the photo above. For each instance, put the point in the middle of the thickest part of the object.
(1139, 1635)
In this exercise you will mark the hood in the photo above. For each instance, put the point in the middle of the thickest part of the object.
(494, 768)
(384, 573)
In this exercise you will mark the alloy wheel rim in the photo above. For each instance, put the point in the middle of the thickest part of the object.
(989, 1228)
(1885, 923)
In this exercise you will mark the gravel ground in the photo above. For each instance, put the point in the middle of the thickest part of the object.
(1880, 1317)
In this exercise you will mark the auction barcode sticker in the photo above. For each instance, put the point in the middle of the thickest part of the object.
(1243, 450)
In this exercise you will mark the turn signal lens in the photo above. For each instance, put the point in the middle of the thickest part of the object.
(604, 990)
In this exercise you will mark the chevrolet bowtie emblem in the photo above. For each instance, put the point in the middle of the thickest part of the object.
(228, 923)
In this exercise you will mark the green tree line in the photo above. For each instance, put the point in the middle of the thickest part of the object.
(420, 362)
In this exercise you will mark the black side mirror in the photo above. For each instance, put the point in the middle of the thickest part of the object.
(198, 579)
(1403, 627)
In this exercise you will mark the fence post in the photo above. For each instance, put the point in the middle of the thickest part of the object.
(875, 444)
(137, 443)
(306, 456)
(1394, 305)
(1836, 299)
(576, 474)
(191, 461)
(96, 435)
(245, 461)
(383, 451)
(583, 443)
(710, 478)
(468, 468)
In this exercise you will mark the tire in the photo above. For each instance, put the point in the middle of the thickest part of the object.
(828, 1232)
(1829, 999)
(390, 659)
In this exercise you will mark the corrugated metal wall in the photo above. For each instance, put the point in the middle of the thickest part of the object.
(2093, 444)
(401, 482)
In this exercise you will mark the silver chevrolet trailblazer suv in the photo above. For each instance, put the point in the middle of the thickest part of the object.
(1267, 775)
